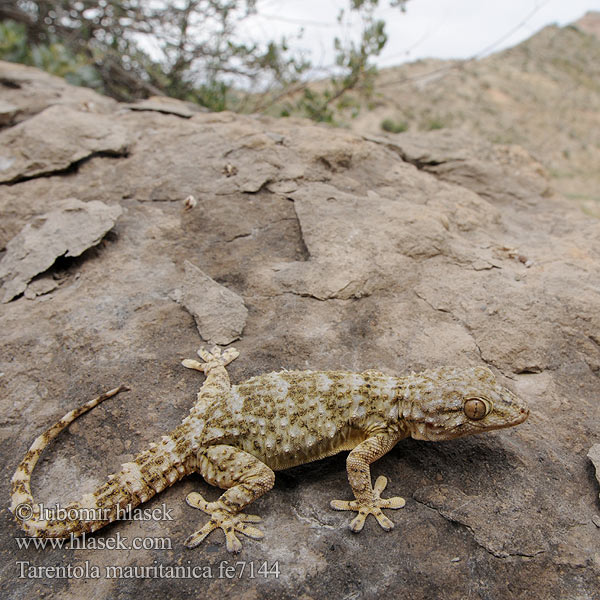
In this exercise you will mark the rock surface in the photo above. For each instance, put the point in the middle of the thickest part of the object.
(166, 105)
(68, 230)
(594, 456)
(348, 253)
(31, 91)
(41, 145)
(219, 313)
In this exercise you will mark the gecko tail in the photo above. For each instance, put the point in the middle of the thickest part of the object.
(22, 505)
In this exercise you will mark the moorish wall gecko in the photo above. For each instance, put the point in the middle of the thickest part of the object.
(237, 436)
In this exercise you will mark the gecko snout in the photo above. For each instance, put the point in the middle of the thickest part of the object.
(516, 406)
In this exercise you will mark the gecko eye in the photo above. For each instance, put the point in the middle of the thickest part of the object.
(476, 408)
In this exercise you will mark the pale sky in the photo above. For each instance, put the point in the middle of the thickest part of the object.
(428, 28)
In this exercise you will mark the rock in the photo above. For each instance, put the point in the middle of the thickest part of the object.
(56, 139)
(220, 314)
(8, 113)
(495, 527)
(501, 173)
(347, 261)
(169, 106)
(33, 91)
(68, 230)
(594, 456)
(40, 286)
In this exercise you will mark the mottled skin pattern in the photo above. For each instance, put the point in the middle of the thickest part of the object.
(237, 436)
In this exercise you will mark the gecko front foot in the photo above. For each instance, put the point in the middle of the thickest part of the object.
(221, 518)
(212, 359)
(371, 507)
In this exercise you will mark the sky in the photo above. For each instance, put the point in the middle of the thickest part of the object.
(428, 28)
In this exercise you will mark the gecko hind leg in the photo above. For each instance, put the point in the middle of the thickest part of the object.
(221, 518)
(214, 358)
(372, 507)
(245, 478)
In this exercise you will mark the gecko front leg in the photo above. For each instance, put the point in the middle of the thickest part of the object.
(368, 499)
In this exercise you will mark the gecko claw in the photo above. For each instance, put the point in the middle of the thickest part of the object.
(372, 507)
(222, 519)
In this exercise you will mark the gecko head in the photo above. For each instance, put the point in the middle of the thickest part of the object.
(455, 402)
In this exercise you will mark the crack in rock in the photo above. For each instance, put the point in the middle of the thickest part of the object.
(594, 456)
(496, 528)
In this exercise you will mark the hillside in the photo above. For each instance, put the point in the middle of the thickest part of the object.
(543, 94)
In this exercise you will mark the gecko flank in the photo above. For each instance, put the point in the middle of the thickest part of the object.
(236, 436)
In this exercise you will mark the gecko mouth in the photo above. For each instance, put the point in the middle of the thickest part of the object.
(522, 416)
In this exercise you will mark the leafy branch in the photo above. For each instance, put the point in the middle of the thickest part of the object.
(186, 49)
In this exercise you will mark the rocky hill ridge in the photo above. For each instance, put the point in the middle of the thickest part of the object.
(543, 94)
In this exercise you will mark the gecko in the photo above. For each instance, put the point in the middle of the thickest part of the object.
(237, 436)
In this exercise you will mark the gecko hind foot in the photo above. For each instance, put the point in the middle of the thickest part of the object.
(223, 519)
(365, 509)
(212, 359)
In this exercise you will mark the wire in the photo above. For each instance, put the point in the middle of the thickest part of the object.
(295, 21)
(475, 56)
(524, 22)
(408, 50)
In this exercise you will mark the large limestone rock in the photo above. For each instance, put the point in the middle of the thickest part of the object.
(347, 253)
(56, 139)
(67, 231)
(30, 91)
